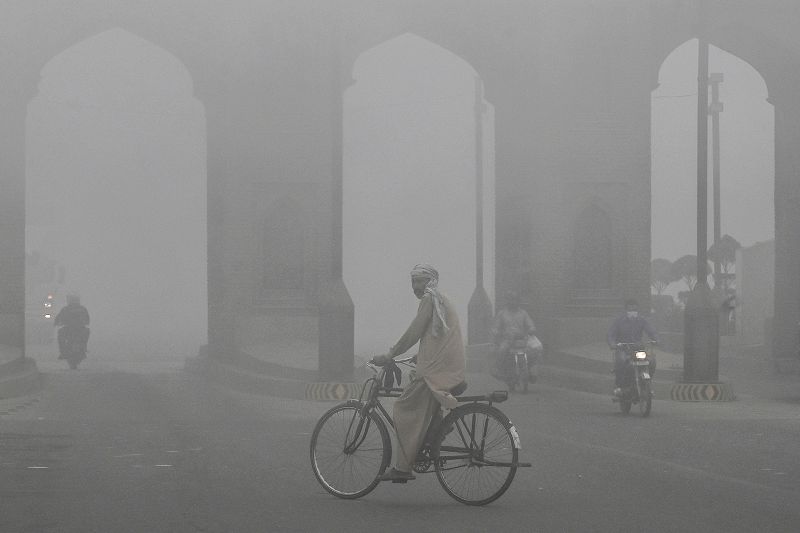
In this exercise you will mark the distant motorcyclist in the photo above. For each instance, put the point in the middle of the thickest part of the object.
(512, 324)
(627, 328)
(74, 319)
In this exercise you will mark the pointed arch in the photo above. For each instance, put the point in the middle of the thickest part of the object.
(746, 184)
(116, 149)
(410, 177)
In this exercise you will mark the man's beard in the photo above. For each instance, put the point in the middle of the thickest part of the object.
(419, 293)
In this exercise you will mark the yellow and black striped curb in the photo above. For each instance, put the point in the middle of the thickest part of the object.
(18, 406)
(332, 391)
(702, 392)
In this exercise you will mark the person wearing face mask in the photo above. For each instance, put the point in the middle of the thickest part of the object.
(441, 363)
(628, 327)
(511, 324)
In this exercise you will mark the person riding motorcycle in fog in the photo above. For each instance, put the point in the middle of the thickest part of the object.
(75, 319)
(511, 324)
(627, 328)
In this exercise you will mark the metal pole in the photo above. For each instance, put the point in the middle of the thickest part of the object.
(701, 316)
(714, 111)
(702, 161)
(479, 109)
(336, 328)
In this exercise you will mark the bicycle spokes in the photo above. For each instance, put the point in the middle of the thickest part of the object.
(355, 437)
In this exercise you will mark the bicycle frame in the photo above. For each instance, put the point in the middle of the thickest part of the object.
(350, 453)
(369, 399)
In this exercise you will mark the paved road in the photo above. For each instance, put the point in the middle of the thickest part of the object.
(161, 450)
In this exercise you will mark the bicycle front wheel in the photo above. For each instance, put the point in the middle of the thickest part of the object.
(349, 450)
(476, 454)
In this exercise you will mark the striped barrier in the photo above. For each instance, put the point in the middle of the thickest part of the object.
(702, 392)
(332, 391)
(16, 407)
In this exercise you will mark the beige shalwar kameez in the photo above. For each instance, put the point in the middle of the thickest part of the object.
(440, 367)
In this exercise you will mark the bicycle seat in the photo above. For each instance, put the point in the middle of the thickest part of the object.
(459, 389)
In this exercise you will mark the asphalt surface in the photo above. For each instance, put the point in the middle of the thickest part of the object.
(125, 445)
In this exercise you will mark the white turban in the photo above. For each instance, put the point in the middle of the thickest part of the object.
(432, 275)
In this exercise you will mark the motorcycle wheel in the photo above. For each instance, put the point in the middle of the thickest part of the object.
(625, 405)
(645, 398)
(522, 373)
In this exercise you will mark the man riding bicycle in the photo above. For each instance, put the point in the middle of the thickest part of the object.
(440, 368)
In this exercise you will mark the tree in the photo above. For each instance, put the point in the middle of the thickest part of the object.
(685, 268)
(661, 275)
(724, 253)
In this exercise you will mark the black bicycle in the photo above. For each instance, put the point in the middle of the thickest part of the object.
(474, 449)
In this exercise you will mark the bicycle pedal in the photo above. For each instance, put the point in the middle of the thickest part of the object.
(399, 481)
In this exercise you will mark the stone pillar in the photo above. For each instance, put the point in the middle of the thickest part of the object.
(786, 322)
(13, 110)
(479, 310)
(221, 305)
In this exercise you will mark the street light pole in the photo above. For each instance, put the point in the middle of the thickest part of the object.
(702, 161)
(336, 329)
(714, 110)
(701, 316)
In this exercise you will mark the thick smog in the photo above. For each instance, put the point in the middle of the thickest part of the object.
(473, 264)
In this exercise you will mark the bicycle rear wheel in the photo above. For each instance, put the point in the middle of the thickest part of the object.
(349, 451)
(476, 460)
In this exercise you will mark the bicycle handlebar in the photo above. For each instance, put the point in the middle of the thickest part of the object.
(403, 361)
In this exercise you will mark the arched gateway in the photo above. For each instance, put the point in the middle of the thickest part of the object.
(571, 85)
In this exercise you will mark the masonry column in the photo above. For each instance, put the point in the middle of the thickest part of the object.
(786, 322)
(216, 100)
(479, 310)
(13, 110)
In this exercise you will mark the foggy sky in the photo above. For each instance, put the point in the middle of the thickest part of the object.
(116, 189)
(746, 146)
(116, 178)
(409, 184)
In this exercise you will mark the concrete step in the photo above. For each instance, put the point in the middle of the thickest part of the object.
(19, 378)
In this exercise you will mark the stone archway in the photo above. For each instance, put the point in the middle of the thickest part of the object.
(747, 151)
(116, 190)
(747, 166)
(409, 179)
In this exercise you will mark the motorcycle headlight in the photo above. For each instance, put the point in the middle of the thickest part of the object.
(641, 355)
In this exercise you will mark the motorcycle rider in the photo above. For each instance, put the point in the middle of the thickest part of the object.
(512, 323)
(627, 328)
(75, 319)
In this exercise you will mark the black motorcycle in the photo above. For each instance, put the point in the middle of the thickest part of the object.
(514, 368)
(639, 366)
(74, 346)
